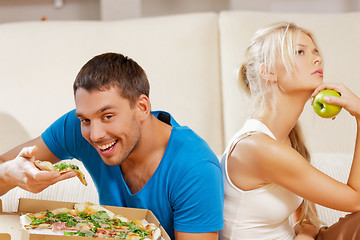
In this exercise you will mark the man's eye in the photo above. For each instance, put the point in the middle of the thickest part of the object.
(107, 117)
(84, 120)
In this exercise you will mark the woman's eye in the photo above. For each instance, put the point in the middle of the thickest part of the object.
(299, 52)
(107, 117)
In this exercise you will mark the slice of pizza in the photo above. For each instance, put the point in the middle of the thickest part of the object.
(53, 220)
(62, 168)
(90, 208)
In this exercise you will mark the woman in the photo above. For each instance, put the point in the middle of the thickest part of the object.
(267, 174)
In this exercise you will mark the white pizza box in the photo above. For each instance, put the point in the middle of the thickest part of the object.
(27, 205)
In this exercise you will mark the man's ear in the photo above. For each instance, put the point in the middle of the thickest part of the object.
(268, 76)
(143, 107)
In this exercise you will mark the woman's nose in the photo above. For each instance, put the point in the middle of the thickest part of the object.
(317, 60)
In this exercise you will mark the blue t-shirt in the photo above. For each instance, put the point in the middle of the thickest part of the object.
(185, 193)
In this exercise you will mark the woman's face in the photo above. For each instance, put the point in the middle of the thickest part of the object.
(308, 72)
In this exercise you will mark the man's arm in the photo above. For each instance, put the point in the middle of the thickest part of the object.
(196, 236)
(43, 153)
(17, 168)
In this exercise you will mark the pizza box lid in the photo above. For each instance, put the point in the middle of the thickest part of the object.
(5, 236)
(27, 205)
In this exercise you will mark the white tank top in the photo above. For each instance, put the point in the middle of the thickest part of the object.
(262, 213)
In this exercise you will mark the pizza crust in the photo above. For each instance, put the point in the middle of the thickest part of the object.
(90, 208)
(48, 166)
(44, 165)
(81, 177)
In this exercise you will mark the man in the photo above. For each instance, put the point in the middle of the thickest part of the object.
(137, 158)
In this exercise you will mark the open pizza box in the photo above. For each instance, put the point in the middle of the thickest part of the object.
(35, 205)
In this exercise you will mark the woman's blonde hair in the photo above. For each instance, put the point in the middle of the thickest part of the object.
(270, 46)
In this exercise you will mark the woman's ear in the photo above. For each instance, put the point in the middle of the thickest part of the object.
(268, 76)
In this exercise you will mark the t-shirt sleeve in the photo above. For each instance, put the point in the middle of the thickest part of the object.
(63, 137)
(198, 201)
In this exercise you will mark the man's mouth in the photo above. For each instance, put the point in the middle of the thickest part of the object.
(106, 148)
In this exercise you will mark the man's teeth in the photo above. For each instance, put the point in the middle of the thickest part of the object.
(103, 147)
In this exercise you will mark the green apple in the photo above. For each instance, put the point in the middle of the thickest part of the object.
(324, 109)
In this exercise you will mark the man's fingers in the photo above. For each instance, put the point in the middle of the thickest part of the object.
(45, 175)
(43, 179)
(53, 175)
(66, 175)
(28, 152)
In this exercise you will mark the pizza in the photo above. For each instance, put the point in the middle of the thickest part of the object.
(62, 168)
(90, 220)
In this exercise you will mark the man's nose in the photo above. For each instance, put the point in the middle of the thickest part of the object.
(97, 133)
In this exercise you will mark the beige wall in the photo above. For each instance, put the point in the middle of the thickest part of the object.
(309, 6)
(163, 7)
(35, 10)
(120, 9)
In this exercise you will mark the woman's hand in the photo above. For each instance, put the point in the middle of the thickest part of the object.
(305, 231)
(348, 100)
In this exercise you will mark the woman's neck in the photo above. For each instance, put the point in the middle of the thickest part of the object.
(281, 115)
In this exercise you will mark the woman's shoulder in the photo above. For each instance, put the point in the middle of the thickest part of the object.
(245, 161)
(261, 150)
(256, 159)
(256, 143)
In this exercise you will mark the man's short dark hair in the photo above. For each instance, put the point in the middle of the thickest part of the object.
(113, 70)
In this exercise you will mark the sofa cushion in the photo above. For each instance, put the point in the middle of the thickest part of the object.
(40, 60)
(12, 132)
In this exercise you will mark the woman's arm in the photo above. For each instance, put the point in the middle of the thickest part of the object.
(269, 161)
(284, 166)
(266, 160)
(349, 101)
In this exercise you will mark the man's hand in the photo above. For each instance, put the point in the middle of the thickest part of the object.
(22, 172)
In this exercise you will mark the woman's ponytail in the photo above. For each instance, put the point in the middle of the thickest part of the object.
(297, 142)
(243, 79)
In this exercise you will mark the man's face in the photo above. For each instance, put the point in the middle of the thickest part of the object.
(108, 122)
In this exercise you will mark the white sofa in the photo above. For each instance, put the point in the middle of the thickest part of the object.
(191, 62)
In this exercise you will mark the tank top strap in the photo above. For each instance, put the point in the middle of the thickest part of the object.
(238, 139)
(250, 127)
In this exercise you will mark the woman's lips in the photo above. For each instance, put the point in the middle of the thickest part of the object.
(318, 72)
